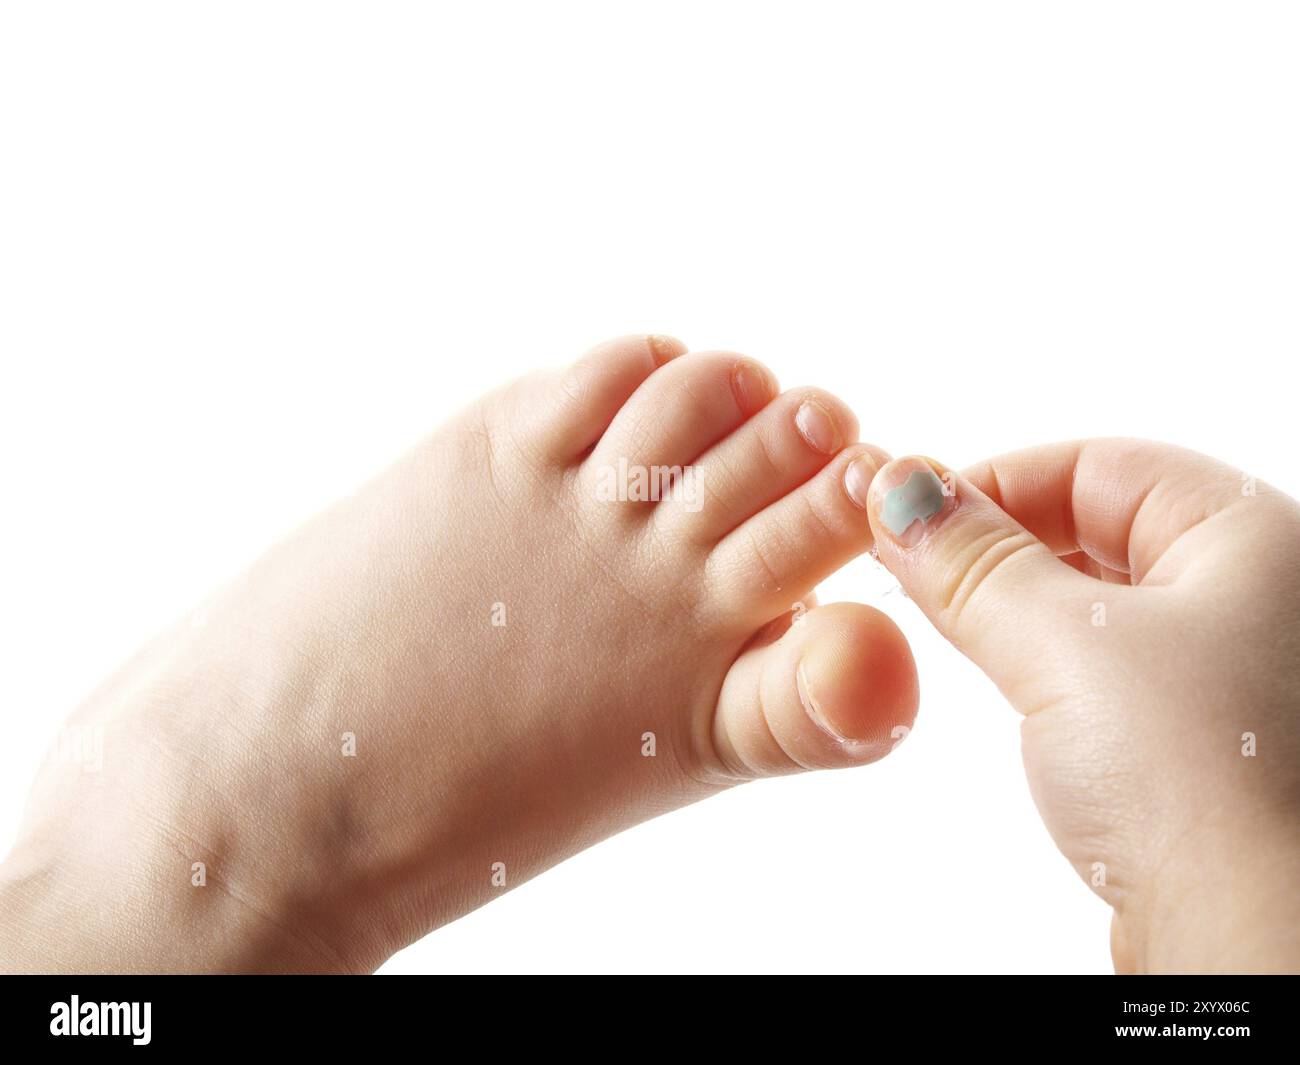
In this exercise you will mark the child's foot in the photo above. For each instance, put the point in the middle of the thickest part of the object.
(496, 654)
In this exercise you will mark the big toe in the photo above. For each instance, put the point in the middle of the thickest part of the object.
(839, 688)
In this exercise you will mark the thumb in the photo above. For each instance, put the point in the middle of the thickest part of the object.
(989, 585)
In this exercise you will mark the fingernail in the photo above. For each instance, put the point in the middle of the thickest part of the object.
(857, 479)
(664, 348)
(752, 385)
(817, 427)
(912, 499)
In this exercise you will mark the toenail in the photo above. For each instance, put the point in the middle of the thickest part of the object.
(664, 348)
(857, 479)
(810, 704)
(817, 427)
(752, 386)
(858, 750)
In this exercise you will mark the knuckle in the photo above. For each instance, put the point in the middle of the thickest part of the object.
(978, 568)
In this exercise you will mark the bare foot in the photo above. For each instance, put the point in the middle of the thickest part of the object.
(519, 640)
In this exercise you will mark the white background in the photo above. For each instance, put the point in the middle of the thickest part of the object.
(251, 251)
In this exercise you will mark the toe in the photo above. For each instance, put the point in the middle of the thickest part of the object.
(781, 553)
(683, 409)
(585, 399)
(837, 689)
(769, 456)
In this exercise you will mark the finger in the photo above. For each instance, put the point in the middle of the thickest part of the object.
(987, 583)
(1122, 503)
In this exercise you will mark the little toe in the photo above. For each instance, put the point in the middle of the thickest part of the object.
(587, 396)
(682, 410)
(782, 552)
(766, 458)
(839, 688)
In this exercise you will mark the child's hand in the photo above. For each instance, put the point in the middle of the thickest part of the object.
(1140, 605)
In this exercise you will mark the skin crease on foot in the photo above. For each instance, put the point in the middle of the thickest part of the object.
(481, 663)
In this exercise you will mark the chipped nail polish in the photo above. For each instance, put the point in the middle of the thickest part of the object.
(919, 498)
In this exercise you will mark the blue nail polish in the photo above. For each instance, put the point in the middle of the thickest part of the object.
(920, 497)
